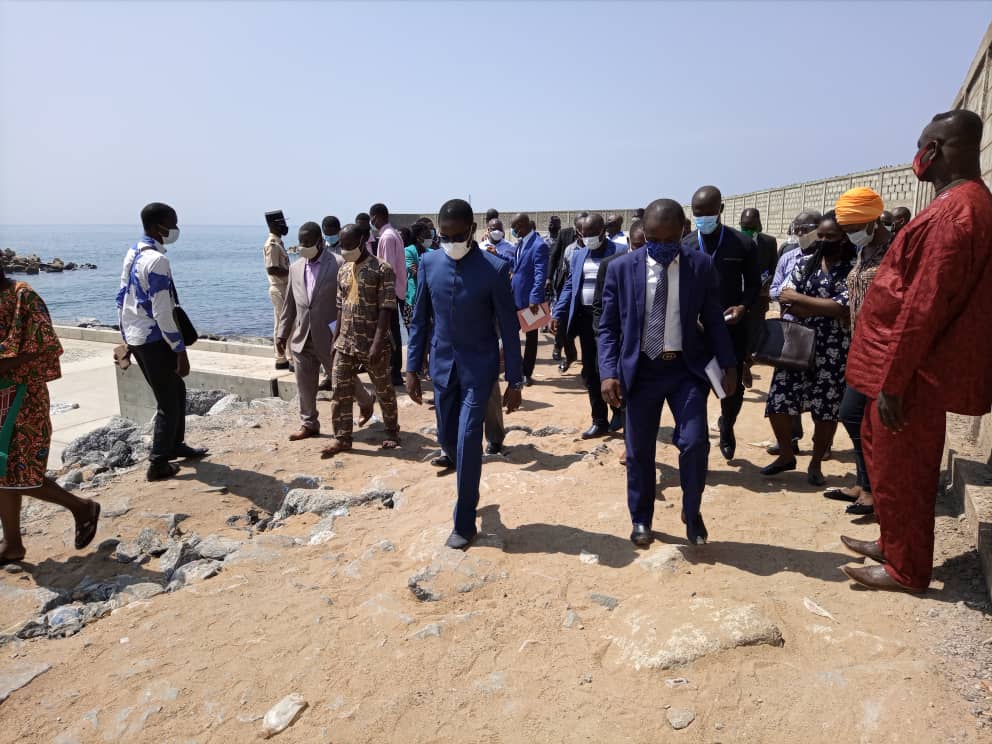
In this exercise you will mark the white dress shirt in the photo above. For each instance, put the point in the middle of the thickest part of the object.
(673, 316)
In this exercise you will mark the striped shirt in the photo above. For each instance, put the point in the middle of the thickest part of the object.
(145, 297)
(860, 279)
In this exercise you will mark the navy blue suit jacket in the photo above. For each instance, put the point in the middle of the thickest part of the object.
(571, 292)
(530, 271)
(458, 308)
(623, 318)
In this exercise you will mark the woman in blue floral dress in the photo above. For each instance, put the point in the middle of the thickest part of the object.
(816, 296)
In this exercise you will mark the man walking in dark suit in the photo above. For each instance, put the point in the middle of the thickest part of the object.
(736, 262)
(557, 273)
(530, 271)
(464, 307)
(652, 351)
(766, 248)
(574, 310)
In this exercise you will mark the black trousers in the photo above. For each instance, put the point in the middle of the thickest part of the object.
(158, 364)
(396, 357)
(852, 413)
(730, 407)
(530, 352)
(566, 341)
(586, 331)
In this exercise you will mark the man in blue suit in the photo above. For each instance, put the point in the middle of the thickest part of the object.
(574, 308)
(463, 297)
(662, 323)
(530, 273)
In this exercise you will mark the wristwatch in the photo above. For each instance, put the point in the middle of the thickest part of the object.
(517, 385)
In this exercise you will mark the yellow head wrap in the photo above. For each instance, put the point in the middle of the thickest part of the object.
(858, 206)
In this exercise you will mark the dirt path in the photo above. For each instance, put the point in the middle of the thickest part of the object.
(553, 629)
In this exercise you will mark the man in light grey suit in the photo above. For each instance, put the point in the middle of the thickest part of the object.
(306, 325)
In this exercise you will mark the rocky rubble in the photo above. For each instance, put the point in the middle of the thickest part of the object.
(32, 264)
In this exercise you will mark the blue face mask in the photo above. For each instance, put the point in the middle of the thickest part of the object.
(707, 224)
(332, 240)
(663, 253)
(513, 234)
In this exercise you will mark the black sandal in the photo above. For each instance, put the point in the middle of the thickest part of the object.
(861, 510)
(86, 531)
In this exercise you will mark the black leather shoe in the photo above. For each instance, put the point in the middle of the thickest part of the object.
(860, 510)
(282, 365)
(326, 385)
(563, 365)
(616, 423)
(728, 441)
(641, 535)
(697, 534)
(189, 453)
(459, 542)
(556, 355)
(528, 381)
(443, 462)
(776, 469)
(596, 430)
(161, 471)
(815, 478)
(493, 448)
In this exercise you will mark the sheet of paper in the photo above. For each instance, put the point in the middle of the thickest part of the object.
(715, 375)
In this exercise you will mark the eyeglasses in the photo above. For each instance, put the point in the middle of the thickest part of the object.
(804, 229)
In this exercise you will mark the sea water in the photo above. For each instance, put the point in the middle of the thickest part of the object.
(218, 270)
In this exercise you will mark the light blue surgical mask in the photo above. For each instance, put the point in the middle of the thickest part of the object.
(707, 223)
(332, 240)
(513, 234)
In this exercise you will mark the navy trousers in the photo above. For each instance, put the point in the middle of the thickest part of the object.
(657, 383)
(461, 411)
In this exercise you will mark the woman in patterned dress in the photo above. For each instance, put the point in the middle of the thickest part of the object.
(817, 296)
(29, 355)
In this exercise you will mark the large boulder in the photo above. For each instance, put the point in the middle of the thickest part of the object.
(103, 445)
(199, 402)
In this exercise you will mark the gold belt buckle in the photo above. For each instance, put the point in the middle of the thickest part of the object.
(669, 356)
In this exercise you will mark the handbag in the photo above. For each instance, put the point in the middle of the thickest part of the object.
(11, 398)
(186, 328)
(785, 344)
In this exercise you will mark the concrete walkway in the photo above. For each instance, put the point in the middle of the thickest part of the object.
(88, 382)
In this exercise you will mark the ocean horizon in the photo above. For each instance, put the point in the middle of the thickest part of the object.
(218, 270)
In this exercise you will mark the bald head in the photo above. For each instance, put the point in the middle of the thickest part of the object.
(751, 220)
(900, 218)
(351, 237)
(707, 202)
(592, 225)
(949, 148)
(663, 221)
(614, 223)
(522, 224)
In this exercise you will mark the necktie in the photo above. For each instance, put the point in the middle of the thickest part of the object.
(654, 339)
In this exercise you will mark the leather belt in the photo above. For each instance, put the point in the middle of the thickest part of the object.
(669, 356)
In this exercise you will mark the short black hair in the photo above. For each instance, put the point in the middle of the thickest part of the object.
(457, 209)
(362, 217)
(155, 214)
(379, 210)
(310, 227)
(965, 124)
(330, 224)
(491, 214)
(407, 236)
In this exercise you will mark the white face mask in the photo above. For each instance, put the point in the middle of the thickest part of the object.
(171, 237)
(351, 255)
(457, 251)
(805, 241)
(308, 251)
(592, 243)
(496, 236)
(861, 238)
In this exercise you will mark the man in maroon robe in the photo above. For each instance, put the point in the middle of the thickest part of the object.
(922, 347)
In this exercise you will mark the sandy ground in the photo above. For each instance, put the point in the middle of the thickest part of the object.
(516, 649)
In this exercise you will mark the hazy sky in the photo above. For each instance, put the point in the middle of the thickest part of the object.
(228, 109)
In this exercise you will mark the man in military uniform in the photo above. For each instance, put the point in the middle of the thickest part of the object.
(277, 269)
(365, 308)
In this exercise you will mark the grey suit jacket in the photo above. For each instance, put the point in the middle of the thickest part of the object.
(304, 318)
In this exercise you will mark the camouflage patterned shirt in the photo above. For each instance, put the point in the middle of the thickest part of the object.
(364, 289)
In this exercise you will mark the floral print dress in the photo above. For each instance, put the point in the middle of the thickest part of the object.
(26, 328)
(819, 390)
